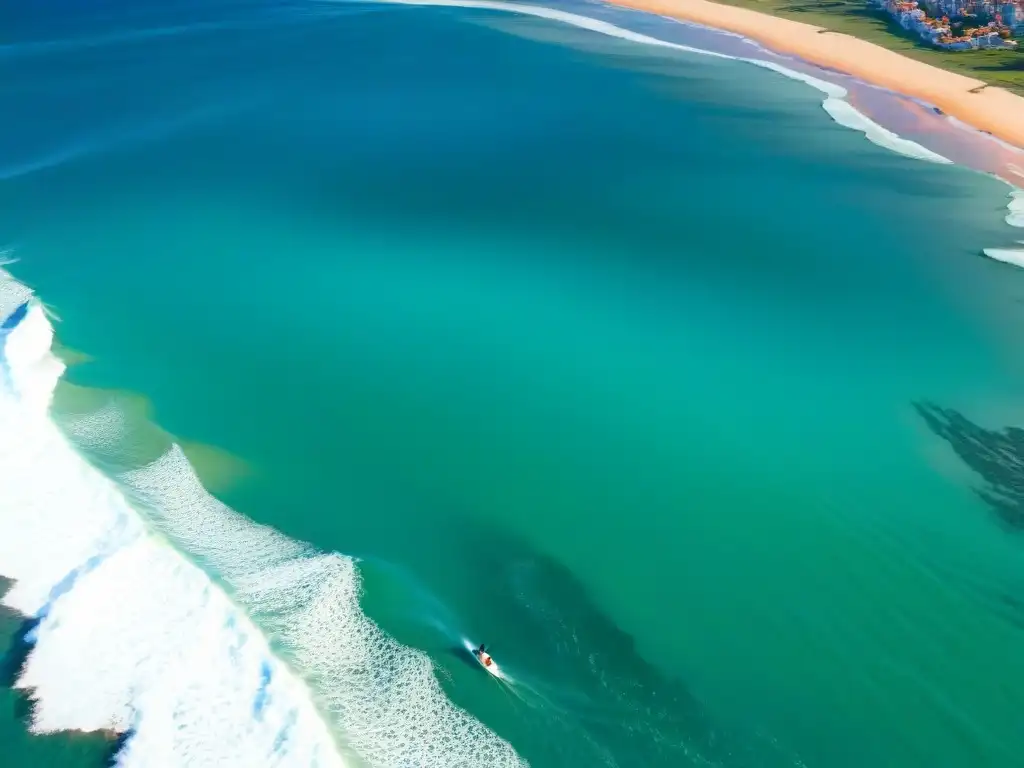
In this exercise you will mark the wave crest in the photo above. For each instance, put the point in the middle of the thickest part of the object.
(383, 696)
(132, 636)
(835, 104)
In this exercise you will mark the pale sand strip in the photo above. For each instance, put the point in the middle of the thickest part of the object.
(992, 109)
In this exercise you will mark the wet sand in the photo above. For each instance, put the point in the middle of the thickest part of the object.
(986, 108)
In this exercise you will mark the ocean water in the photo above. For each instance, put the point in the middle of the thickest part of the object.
(382, 330)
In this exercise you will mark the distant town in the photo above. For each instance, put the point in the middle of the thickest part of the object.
(957, 25)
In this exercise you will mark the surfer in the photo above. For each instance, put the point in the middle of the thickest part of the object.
(482, 654)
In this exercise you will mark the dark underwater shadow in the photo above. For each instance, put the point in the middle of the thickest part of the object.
(463, 655)
(13, 632)
(1013, 609)
(596, 684)
(116, 744)
(15, 639)
(16, 653)
(997, 456)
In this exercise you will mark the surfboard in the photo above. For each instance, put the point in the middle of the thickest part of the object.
(493, 669)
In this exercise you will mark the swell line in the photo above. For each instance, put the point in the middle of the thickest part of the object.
(835, 104)
(131, 635)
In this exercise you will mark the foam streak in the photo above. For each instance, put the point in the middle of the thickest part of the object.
(132, 636)
(834, 104)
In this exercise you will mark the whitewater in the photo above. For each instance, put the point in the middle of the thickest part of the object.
(834, 103)
(155, 612)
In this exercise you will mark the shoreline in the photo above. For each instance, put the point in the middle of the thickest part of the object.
(986, 108)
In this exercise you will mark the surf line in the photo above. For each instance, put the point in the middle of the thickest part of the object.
(834, 104)
(125, 590)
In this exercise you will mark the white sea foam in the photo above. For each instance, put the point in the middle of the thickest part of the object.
(12, 293)
(134, 637)
(384, 696)
(1015, 218)
(848, 116)
(834, 104)
(1007, 255)
(845, 114)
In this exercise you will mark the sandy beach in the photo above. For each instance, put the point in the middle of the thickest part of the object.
(991, 109)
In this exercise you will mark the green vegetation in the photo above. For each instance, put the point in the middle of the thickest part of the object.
(854, 17)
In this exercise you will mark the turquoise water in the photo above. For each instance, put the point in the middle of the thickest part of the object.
(614, 357)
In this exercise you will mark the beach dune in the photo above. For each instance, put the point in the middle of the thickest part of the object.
(990, 109)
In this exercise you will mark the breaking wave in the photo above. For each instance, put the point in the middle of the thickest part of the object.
(1006, 255)
(835, 104)
(1015, 218)
(156, 612)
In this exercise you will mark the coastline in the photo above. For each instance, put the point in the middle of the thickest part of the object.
(991, 109)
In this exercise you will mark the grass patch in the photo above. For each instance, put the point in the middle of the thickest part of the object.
(1002, 68)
